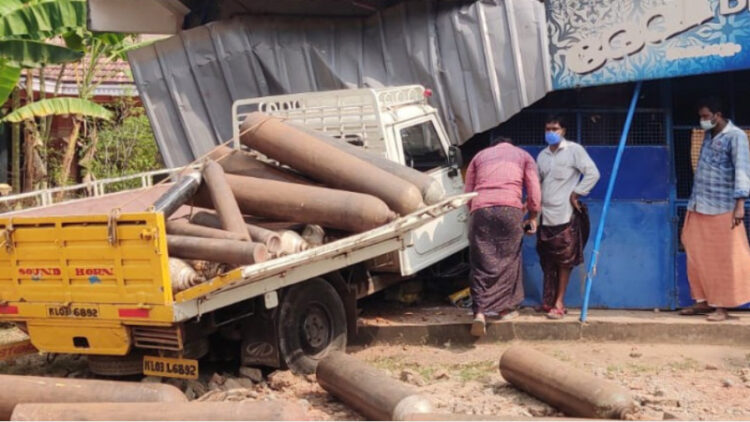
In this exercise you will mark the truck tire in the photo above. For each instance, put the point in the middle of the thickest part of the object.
(312, 323)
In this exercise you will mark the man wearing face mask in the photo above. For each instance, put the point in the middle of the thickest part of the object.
(566, 172)
(714, 236)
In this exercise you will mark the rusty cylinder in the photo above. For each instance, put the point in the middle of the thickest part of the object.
(368, 390)
(179, 193)
(223, 200)
(235, 252)
(292, 242)
(25, 389)
(432, 191)
(571, 390)
(348, 211)
(194, 411)
(242, 163)
(465, 417)
(268, 237)
(183, 276)
(186, 229)
(327, 164)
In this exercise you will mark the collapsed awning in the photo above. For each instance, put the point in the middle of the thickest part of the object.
(484, 61)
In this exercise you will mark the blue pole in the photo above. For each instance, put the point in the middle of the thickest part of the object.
(607, 199)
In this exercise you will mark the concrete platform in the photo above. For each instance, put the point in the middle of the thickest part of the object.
(437, 325)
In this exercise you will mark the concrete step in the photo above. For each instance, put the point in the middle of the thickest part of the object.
(437, 325)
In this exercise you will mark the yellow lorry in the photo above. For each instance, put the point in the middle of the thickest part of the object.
(90, 276)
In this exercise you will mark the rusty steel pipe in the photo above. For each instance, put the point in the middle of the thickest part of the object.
(368, 390)
(178, 194)
(223, 200)
(571, 390)
(182, 275)
(431, 190)
(25, 389)
(187, 229)
(327, 164)
(241, 163)
(194, 411)
(217, 250)
(349, 211)
(271, 239)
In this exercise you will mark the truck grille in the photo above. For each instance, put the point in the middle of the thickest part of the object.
(165, 338)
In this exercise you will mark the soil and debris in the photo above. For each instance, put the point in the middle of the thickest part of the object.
(669, 381)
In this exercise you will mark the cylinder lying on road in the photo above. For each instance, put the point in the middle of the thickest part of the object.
(261, 235)
(432, 191)
(184, 228)
(223, 200)
(177, 195)
(349, 211)
(464, 417)
(327, 164)
(25, 389)
(368, 390)
(193, 411)
(571, 390)
(217, 250)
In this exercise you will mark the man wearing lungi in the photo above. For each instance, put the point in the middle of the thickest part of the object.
(566, 172)
(714, 236)
(499, 174)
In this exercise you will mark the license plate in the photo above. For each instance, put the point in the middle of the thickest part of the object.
(19, 348)
(73, 311)
(170, 367)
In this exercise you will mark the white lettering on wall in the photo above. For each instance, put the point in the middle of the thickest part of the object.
(629, 38)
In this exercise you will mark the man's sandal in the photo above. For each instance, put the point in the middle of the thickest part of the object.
(696, 310)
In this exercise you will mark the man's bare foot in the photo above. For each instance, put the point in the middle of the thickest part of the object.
(720, 314)
(478, 327)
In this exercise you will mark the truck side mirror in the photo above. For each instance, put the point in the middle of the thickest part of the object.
(455, 157)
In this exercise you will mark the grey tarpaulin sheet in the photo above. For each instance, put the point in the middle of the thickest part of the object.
(484, 61)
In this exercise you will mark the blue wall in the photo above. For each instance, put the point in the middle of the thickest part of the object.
(636, 267)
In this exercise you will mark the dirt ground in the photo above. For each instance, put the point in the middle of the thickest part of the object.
(669, 381)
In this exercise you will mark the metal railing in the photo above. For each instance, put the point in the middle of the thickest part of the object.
(46, 197)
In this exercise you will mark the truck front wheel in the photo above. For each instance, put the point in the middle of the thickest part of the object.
(312, 323)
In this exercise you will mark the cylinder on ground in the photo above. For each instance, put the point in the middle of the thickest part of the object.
(431, 190)
(349, 211)
(268, 237)
(25, 389)
(184, 228)
(177, 195)
(571, 390)
(465, 417)
(193, 411)
(223, 200)
(368, 390)
(327, 164)
(242, 163)
(217, 250)
(183, 276)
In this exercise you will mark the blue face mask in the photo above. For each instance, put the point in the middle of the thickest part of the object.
(552, 138)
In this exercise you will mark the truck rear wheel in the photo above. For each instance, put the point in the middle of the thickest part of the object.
(312, 323)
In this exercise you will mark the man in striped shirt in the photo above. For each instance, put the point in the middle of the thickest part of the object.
(496, 228)
(714, 236)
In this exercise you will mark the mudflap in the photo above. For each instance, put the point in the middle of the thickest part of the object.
(260, 341)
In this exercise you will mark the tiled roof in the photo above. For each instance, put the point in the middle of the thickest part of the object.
(107, 73)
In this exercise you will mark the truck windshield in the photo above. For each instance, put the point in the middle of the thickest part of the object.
(422, 148)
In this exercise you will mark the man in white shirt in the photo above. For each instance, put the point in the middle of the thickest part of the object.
(566, 172)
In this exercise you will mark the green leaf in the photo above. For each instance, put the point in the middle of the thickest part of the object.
(42, 16)
(121, 53)
(58, 106)
(74, 40)
(27, 53)
(9, 77)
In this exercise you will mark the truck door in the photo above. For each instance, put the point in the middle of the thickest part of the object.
(424, 145)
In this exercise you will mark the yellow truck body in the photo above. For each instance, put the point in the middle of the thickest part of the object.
(80, 282)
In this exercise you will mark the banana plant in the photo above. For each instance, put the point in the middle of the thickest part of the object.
(24, 25)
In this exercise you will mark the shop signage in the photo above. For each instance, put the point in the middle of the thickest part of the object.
(597, 42)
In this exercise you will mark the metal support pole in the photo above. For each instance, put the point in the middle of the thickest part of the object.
(607, 199)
